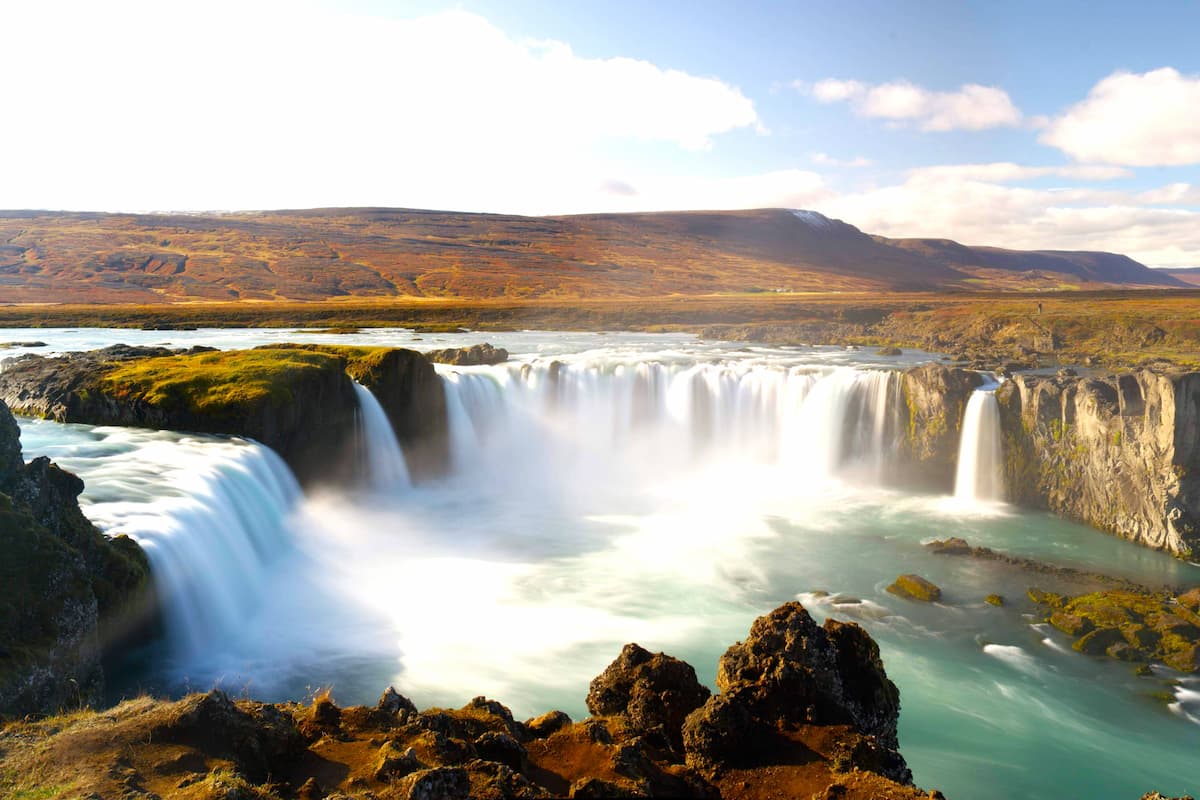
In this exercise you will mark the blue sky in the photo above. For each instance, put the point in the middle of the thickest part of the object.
(1050, 125)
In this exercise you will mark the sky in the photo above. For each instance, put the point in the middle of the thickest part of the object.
(1064, 125)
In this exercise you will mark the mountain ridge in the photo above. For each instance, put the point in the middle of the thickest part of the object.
(377, 252)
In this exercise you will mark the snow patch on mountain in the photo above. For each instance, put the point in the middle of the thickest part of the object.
(811, 218)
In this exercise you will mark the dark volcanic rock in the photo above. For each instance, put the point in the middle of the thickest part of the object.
(652, 690)
(442, 783)
(790, 673)
(472, 356)
(255, 736)
(66, 591)
(392, 702)
(547, 724)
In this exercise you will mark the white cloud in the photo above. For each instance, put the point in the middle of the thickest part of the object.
(971, 107)
(977, 204)
(145, 105)
(832, 90)
(1007, 172)
(789, 188)
(826, 160)
(1173, 194)
(1146, 119)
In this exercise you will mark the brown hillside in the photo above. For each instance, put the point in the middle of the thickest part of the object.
(384, 253)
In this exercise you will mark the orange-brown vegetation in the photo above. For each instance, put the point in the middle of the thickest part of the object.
(401, 253)
(205, 747)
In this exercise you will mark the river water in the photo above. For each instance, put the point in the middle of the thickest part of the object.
(609, 488)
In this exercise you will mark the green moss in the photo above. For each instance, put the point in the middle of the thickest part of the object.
(223, 782)
(216, 383)
(1101, 607)
(1045, 598)
(14, 786)
(914, 587)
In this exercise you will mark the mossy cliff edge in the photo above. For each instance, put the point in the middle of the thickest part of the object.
(299, 401)
(67, 592)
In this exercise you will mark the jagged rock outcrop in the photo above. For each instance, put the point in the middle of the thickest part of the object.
(791, 673)
(301, 406)
(935, 397)
(1120, 453)
(653, 691)
(66, 590)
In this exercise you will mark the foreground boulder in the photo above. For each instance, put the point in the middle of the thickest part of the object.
(654, 692)
(788, 676)
(66, 590)
(804, 711)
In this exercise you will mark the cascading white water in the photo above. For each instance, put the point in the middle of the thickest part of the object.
(386, 469)
(979, 477)
(815, 422)
(216, 525)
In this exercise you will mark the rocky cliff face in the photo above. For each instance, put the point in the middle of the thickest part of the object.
(68, 591)
(1121, 453)
(935, 397)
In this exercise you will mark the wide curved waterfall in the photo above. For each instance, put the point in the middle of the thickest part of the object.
(980, 474)
(383, 460)
(606, 489)
(817, 423)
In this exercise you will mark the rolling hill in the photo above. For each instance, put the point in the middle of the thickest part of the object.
(324, 254)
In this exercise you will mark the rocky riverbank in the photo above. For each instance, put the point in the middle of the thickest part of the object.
(67, 592)
(803, 711)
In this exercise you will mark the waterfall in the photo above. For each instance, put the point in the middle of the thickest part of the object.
(980, 478)
(384, 462)
(210, 548)
(817, 422)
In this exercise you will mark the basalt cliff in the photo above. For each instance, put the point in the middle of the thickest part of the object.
(1119, 452)
(67, 592)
